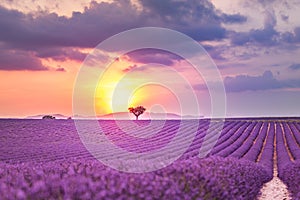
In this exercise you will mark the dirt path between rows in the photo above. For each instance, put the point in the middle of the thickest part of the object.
(274, 189)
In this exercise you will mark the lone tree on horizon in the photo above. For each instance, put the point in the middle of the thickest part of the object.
(137, 111)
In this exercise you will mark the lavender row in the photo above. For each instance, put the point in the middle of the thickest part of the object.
(267, 156)
(247, 142)
(288, 150)
(241, 141)
(201, 134)
(283, 156)
(257, 146)
(290, 175)
(295, 130)
(36, 141)
(229, 142)
(211, 178)
(292, 144)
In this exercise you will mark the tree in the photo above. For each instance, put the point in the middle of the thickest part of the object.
(48, 117)
(137, 111)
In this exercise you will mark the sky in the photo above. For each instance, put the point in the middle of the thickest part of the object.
(254, 44)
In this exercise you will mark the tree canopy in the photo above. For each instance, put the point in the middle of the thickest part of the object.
(137, 111)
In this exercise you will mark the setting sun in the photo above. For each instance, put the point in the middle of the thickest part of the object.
(119, 89)
(115, 90)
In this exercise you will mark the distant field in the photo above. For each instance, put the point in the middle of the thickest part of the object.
(42, 159)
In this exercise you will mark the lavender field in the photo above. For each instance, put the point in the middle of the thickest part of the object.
(45, 159)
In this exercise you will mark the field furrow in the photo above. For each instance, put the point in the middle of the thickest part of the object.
(246, 151)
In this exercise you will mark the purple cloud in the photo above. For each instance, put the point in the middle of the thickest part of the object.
(297, 34)
(266, 36)
(245, 82)
(295, 66)
(48, 35)
(129, 68)
(198, 19)
(285, 18)
(102, 20)
(146, 56)
(61, 54)
(60, 69)
(234, 18)
(20, 60)
(266, 81)
(51, 36)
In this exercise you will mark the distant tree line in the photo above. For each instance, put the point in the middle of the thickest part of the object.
(48, 117)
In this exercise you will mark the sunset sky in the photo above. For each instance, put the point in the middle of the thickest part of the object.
(255, 45)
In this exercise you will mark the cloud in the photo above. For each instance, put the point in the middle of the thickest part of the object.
(149, 56)
(297, 34)
(285, 18)
(49, 35)
(264, 37)
(234, 18)
(20, 60)
(129, 68)
(216, 53)
(198, 19)
(60, 69)
(245, 82)
(145, 56)
(270, 34)
(266, 81)
(295, 66)
(267, 36)
(101, 20)
(61, 54)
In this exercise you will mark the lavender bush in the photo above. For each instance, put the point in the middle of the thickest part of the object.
(46, 160)
(211, 178)
(291, 177)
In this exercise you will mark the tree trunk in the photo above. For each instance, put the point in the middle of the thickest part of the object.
(136, 117)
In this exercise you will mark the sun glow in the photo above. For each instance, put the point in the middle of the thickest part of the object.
(115, 98)
(115, 91)
(120, 89)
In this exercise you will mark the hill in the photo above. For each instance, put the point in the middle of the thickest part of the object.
(40, 116)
